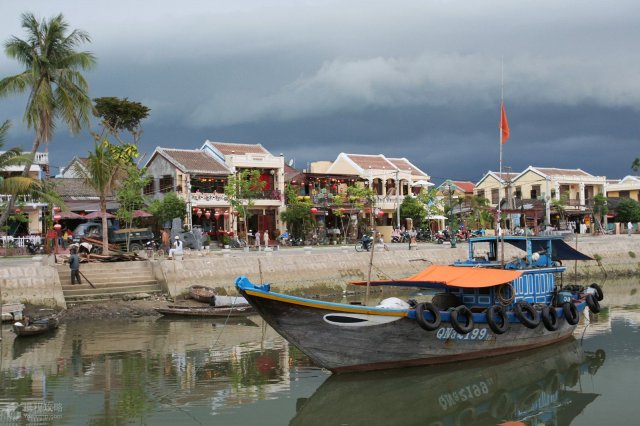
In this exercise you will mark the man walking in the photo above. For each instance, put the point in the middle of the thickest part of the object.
(74, 265)
(629, 228)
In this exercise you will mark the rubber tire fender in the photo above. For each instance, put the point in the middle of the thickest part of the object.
(462, 328)
(599, 293)
(435, 312)
(592, 303)
(571, 313)
(550, 318)
(521, 309)
(492, 312)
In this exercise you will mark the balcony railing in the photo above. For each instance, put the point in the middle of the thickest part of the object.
(272, 194)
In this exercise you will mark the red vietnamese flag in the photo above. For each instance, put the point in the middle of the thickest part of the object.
(504, 124)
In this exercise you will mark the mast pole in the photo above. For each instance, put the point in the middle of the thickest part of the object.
(500, 232)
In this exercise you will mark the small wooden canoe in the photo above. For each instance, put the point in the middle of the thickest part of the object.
(206, 311)
(201, 293)
(36, 327)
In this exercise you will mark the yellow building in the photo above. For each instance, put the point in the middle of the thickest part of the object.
(627, 187)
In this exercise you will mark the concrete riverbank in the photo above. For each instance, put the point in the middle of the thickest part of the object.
(297, 270)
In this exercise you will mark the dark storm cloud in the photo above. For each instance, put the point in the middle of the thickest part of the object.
(415, 79)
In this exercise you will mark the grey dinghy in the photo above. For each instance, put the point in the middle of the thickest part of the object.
(484, 309)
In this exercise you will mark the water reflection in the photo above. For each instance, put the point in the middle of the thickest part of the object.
(132, 370)
(534, 387)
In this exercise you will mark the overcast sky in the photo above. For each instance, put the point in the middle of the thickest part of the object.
(419, 79)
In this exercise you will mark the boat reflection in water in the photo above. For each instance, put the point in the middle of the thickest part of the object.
(531, 387)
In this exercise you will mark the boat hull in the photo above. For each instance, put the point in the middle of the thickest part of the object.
(235, 311)
(344, 338)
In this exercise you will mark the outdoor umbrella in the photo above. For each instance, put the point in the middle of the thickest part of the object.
(141, 213)
(98, 214)
(70, 215)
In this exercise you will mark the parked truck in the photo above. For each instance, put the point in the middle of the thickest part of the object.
(137, 238)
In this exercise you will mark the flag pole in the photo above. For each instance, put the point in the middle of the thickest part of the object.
(500, 232)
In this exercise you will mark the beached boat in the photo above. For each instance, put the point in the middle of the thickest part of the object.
(36, 327)
(208, 295)
(11, 311)
(206, 311)
(483, 307)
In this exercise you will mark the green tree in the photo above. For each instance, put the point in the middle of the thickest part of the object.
(241, 191)
(600, 210)
(297, 216)
(413, 208)
(559, 205)
(118, 115)
(104, 164)
(628, 210)
(129, 192)
(52, 76)
(168, 208)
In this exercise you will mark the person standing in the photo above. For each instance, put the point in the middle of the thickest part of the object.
(266, 239)
(629, 228)
(412, 237)
(74, 265)
(257, 241)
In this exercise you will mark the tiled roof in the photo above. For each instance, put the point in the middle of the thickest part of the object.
(194, 161)
(549, 171)
(464, 185)
(74, 189)
(404, 164)
(239, 148)
(371, 161)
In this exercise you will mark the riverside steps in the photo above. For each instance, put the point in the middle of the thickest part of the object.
(110, 280)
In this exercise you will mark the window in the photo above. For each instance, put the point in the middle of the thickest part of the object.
(166, 184)
(148, 188)
(535, 192)
(495, 196)
(480, 193)
(624, 194)
(518, 192)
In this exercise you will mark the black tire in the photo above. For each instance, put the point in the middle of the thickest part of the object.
(571, 313)
(460, 327)
(550, 318)
(502, 324)
(135, 247)
(433, 310)
(359, 247)
(524, 308)
(598, 289)
(592, 303)
(440, 241)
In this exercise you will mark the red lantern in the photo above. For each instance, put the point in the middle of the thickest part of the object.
(380, 213)
(57, 227)
(199, 213)
(314, 210)
(18, 210)
(216, 215)
(226, 213)
(56, 209)
(342, 210)
(207, 214)
(57, 218)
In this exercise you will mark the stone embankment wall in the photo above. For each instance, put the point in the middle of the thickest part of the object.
(616, 256)
(32, 280)
(36, 281)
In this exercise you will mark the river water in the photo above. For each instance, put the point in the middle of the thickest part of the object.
(158, 371)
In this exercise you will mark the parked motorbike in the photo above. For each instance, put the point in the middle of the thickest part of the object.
(34, 248)
(423, 235)
(364, 243)
(403, 237)
(443, 237)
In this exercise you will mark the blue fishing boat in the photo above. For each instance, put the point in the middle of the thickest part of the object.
(483, 306)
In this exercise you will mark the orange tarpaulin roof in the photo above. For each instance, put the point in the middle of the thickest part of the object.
(456, 276)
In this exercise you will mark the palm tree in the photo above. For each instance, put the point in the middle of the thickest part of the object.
(57, 88)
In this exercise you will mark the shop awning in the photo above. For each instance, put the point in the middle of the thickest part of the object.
(452, 276)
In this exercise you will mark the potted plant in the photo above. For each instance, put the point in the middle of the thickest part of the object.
(225, 240)
(206, 242)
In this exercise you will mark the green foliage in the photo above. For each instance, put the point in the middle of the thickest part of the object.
(121, 114)
(412, 208)
(225, 240)
(241, 190)
(170, 207)
(298, 216)
(600, 208)
(206, 241)
(632, 255)
(628, 210)
(57, 90)
(559, 205)
(129, 192)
